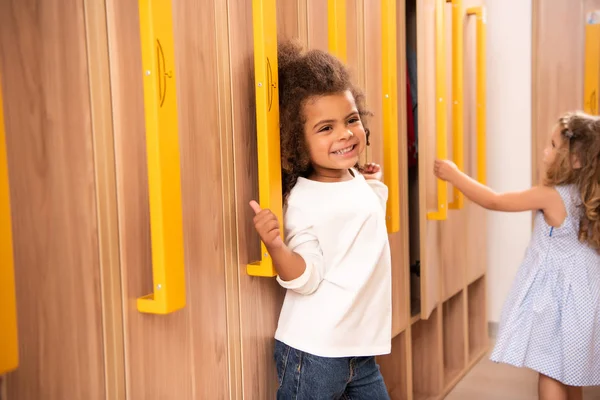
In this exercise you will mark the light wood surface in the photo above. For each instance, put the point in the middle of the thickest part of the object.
(81, 205)
(558, 58)
(106, 198)
(48, 121)
(260, 298)
(182, 355)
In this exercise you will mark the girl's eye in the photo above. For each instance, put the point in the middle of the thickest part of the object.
(325, 128)
(353, 120)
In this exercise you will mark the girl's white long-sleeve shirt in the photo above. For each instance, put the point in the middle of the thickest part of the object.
(341, 306)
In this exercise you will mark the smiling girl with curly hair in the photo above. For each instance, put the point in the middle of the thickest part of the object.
(335, 262)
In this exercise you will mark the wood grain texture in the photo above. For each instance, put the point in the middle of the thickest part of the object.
(318, 36)
(106, 198)
(182, 355)
(558, 68)
(394, 368)
(429, 231)
(453, 231)
(557, 79)
(427, 365)
(476, 216)
(51, 166)
(260, 298)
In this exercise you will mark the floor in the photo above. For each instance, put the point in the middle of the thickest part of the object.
(491, 381)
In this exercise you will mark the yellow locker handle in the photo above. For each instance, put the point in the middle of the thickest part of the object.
(336, 26)
(391, 173)
(457, 96)
(440, 111)
(479, 12)
(9, 344)
(162, 146)
(267, 121)
(591, 81)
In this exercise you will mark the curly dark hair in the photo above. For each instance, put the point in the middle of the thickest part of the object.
(581, 138)
(303, 75)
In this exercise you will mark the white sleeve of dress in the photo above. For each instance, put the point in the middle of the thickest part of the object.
(301, 239)
(380, 189)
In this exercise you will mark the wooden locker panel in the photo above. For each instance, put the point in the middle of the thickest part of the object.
(476, 216)
(374, 97)
(355, 39)
(399, 241)
(558, 57)
(453, 240)
(55, 233)
(260, 298)
(396, 368)
(430, 232)
(182, 355)
(318, 36)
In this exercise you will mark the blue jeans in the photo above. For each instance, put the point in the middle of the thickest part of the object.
(303, 376)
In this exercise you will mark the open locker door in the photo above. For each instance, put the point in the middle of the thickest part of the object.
(432, 143)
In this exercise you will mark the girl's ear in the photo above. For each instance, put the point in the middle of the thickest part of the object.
(368, 134)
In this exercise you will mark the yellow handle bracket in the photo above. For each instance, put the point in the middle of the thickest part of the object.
(592, 63)
(440, 111)
(457, 96)
(390, 113)
(9, 345)
(336, 25)
(479, 13)
(267, 121)
(162, 146)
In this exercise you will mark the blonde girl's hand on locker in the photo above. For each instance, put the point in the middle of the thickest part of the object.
(267, 226)
(371, 171)
(445, 170)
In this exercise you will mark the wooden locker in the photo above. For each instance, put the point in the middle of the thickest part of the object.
(43, 59)
(260, 298)
(447, 319)
(184, 354)
(558, 57)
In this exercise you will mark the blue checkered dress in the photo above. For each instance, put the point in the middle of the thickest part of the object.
(551, 319)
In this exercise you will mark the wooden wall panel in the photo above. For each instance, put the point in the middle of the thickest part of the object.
(430, 233)
(399, 242)
(355, 38)
(374, 97)
(476, 216)
(318, 37)
(558, 60)
(453, 233)
(260, 298)
(182, 355)
(49, 142)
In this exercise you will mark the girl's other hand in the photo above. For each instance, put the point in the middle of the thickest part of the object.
(267, 226)
(445, 170)
(371, 171)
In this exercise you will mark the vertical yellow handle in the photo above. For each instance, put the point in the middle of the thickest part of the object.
(9, 346)
(336, 25)
(457, 96)
(162, 147)
(440, 111)
(592, 63)
(267, 121)
(391, 173)
(479, 12)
